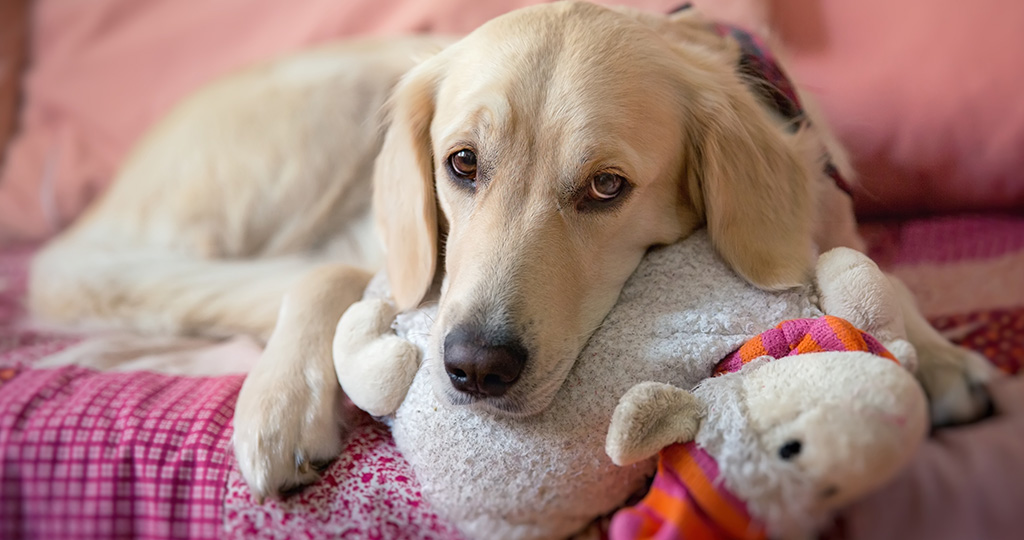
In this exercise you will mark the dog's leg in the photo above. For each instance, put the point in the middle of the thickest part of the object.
(953, 377)
(289, 418)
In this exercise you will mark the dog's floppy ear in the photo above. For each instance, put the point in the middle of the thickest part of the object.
(752, 184)
(745, 177)
(404, 201)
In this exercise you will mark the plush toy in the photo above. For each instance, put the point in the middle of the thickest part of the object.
(682, 311)
(798, 422)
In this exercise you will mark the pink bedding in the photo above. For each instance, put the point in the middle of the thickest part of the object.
(99, 455)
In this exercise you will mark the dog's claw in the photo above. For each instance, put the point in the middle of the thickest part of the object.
(315, 466)
(288, 491)
(320, 467)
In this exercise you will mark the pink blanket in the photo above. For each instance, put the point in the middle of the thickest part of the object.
(92, 455)
(114, 455)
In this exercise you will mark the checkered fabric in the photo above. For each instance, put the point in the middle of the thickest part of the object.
(113, 455)
(87, 455)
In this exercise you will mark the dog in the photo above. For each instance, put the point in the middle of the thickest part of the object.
(521, 174)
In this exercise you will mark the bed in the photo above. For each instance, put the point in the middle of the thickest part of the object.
(143, 452)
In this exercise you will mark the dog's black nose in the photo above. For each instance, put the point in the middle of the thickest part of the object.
(480, 366)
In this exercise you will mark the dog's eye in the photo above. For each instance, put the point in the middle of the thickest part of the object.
(463, 164)
(605, 186)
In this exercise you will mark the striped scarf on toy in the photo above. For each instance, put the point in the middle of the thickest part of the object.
(687, 498)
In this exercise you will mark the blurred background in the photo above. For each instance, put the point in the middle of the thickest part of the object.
(925, 93)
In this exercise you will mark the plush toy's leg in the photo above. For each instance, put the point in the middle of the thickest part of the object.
(852, 287)
(374, 366)
(944, 368)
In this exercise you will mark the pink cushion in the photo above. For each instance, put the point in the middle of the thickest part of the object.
(13, 45)
(927, 95)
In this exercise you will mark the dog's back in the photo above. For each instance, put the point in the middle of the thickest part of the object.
(227, 201)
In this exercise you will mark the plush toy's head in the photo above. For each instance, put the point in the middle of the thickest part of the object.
(789, 440)
(825, 428)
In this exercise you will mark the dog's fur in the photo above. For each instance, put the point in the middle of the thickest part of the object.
(246, 210)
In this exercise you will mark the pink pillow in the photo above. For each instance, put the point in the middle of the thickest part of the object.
(928, 95)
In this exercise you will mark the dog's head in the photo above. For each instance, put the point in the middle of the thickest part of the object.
(540, 157)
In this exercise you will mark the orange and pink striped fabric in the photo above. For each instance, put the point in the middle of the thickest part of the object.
(687, 500)
(801, 336)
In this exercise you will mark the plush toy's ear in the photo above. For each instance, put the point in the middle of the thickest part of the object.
(649, 417)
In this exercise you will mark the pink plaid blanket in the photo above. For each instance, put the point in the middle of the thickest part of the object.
(89, 455)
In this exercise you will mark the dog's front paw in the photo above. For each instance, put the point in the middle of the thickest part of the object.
(954, 379)
(288, 426)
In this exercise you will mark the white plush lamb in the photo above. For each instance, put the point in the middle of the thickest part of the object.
(682, 311)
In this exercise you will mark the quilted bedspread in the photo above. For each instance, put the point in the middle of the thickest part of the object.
(91, 454)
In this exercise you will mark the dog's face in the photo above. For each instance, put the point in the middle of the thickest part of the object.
(560, 142)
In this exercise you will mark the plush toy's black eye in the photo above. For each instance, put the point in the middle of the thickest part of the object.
(790, 450)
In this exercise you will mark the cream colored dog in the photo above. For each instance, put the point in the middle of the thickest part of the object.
(535, 161)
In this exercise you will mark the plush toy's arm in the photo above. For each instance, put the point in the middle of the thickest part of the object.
(852, 287)
(649, 417)
(374, 366)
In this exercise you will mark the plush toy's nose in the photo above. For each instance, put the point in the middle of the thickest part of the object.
(481, 365)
